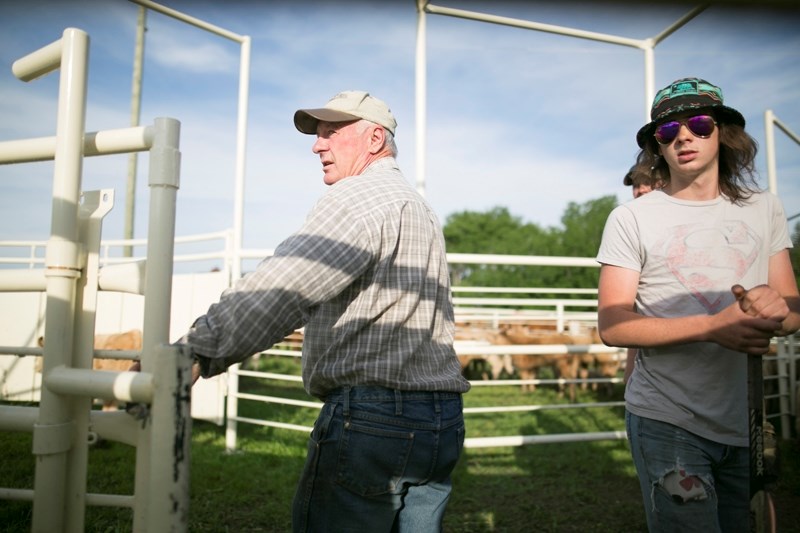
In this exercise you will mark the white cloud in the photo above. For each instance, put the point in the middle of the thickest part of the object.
(183, 51)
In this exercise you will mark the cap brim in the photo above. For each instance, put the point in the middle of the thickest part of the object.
(306, 120)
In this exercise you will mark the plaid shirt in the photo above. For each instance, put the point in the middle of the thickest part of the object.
(367, 277)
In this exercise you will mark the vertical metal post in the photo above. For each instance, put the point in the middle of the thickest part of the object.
(164, 181)
(232, 408)
(769, 142)
(241, 146)
(52, 433)
(244, 81)
(168, 493)
(164, 176)
(95, 206)
(235, 268)
(421, 83)
(784, 387)
(649, 78)
(136, 104)
(238, 227)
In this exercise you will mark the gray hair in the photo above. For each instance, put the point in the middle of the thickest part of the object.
(388, 142)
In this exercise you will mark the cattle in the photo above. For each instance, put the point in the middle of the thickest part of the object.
(528, 366)
(596, 365)
(125, 341)
(566, 364)
(496, 363)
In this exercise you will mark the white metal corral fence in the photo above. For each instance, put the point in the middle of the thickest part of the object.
(563, 314)
(62, 421)
(564, 310)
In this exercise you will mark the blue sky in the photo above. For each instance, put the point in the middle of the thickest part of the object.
(522, 119)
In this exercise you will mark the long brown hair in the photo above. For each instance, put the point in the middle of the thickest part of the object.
(737, 153)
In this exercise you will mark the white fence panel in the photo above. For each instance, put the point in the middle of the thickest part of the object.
(194, 292)
(22, 324)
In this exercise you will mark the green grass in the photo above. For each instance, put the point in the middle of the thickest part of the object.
(573, 487)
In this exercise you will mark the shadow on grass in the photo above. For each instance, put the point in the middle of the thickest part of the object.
(574, 487)
(564, 487)
(571, 487)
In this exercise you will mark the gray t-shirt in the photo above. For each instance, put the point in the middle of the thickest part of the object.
(688, 255)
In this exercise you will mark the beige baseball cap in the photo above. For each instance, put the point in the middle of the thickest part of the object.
(345, 107)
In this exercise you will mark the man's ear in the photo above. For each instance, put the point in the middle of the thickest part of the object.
(377, 140)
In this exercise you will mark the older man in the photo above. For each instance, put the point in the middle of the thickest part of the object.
(367, 277)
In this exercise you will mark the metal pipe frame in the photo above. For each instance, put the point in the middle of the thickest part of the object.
(424, 6)
(235, 268)
(96, 143)
(54, 429)
(164, 175)
(522, 440)
(770, 121)
(63, 424)
(241, 128)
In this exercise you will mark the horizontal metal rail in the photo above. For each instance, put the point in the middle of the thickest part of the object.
(119, 141)
(97, 500)
(108, 385)
(556, 438)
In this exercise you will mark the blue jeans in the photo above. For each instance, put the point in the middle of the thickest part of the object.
(380, 460)
(689, 483)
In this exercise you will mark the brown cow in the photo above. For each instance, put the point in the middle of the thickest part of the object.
(127, 341)
(498, 363)
(564, 364)
(596, 365)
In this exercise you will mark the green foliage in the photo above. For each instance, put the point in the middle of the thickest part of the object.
(495, 232)
(499, 232)
(583, 231)
(583, 226)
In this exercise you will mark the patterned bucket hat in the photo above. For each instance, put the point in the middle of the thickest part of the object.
(685, 95)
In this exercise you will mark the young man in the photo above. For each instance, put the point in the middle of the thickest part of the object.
(675, 263)
(367, 276)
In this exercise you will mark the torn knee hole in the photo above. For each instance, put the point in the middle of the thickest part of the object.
(683, 487)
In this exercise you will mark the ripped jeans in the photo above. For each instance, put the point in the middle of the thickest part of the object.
(380, 460)
(689, 483)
